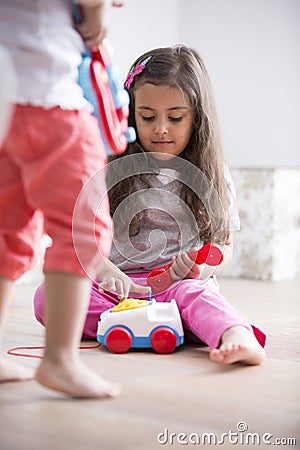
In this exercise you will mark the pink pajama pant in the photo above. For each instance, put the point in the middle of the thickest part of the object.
(204, 311)
(52, 181)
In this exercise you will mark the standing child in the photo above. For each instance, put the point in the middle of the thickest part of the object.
(52, 148)
(170, 192)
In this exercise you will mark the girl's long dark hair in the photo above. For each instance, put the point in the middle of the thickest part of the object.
(182, 67)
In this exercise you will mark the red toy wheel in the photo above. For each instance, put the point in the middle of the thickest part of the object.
(118, 340)
(163, 340)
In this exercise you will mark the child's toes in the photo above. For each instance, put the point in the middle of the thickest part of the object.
(216, 355)
(226, 349)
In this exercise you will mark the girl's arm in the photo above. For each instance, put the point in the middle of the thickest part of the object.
(114, 280)
(185, 267)
(227, 254)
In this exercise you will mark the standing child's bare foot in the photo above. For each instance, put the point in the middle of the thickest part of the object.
(10, 371)
(73, 378)
(238, 345)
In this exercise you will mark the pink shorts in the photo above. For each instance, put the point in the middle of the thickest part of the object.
(46, 160)
(204, 311)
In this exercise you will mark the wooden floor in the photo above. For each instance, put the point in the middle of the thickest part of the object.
(163, 394)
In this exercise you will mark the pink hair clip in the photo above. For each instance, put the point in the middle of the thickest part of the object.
(136, 71)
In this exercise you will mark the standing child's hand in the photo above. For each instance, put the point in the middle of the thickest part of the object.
(92, 26)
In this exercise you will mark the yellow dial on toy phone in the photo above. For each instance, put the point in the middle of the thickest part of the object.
(129, 303)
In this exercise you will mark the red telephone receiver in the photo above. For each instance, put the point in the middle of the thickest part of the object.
(112, 102)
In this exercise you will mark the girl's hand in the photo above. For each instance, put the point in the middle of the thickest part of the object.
(114, 280)
(184, 267)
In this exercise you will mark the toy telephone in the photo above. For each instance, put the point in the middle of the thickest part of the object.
(101, 85)
(159, 279)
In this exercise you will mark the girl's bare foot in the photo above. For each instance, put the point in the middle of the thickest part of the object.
(238, 345)
(10, 371)
(73, 378)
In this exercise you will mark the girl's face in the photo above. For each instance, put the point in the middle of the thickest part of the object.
(164, 120)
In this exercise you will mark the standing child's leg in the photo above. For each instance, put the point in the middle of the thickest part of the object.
(98, 303)
(68, 149)
(62, 369)
(9, 370)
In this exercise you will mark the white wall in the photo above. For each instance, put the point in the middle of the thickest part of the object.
(141, 25)
(251, 50)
